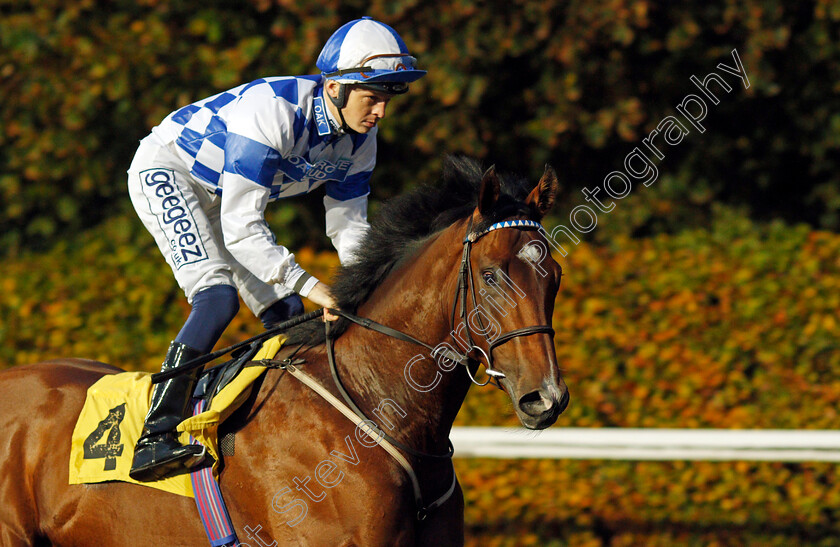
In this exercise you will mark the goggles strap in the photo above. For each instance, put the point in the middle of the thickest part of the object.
(349, 71)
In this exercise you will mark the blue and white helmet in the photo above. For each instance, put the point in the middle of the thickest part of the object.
(366, 51)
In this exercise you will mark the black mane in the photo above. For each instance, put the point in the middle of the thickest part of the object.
(404, 222)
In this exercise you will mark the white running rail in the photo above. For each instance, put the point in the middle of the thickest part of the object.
(781, 445)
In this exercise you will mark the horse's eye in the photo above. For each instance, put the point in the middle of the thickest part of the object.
(489, 277)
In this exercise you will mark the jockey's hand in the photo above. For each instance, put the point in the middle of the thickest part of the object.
(320, 294)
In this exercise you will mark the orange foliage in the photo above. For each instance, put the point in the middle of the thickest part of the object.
(732, 328)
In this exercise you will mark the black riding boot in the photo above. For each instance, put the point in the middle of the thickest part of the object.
(158, 451)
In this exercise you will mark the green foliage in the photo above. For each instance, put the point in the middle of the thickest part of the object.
(526, 82)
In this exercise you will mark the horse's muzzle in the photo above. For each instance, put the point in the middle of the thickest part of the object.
(540, 408)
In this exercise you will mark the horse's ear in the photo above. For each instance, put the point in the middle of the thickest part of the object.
(488, 193)
(544, 195)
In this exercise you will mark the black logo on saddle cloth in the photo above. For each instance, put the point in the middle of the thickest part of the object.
(112, 447)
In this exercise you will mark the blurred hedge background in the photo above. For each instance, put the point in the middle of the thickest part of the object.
(708, 299)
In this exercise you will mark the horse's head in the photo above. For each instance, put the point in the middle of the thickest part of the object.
(507, 286)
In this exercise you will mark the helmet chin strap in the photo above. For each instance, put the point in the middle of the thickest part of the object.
(340, 102)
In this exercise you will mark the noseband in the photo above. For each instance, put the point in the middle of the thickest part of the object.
(466, 285)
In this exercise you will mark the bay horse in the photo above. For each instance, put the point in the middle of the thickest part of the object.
(408, 275)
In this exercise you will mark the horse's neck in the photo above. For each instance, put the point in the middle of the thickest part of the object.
(416, 300)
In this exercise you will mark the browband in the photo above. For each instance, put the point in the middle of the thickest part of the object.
(473, 236)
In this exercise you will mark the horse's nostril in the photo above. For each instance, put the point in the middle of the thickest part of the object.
(540, 402)
(533, 403)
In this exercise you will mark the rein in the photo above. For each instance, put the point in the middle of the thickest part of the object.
(204, 359)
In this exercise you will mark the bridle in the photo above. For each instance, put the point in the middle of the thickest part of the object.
(466, 285)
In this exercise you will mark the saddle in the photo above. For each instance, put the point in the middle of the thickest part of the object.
(115, 406)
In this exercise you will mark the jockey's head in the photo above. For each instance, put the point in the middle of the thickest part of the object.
(365, 63)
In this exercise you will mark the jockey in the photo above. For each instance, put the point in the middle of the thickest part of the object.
(201, 180)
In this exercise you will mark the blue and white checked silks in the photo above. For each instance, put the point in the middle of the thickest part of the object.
(269, 139)
(241, 132)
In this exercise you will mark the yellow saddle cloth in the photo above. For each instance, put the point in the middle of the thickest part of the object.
(112, 419)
